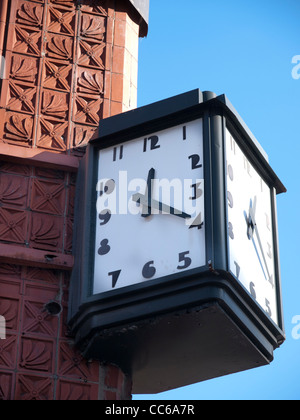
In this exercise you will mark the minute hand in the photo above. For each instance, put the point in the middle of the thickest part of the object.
(142, 199)
(254, 227)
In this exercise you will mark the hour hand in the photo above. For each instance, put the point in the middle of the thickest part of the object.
(157, 205)
(147, 206)
(251, 219)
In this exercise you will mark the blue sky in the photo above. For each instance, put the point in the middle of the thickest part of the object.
(243, 49)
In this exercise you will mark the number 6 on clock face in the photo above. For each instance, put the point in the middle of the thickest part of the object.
(150, 208)
(250, 237)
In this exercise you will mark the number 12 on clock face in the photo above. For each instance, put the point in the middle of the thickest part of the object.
(250, 235)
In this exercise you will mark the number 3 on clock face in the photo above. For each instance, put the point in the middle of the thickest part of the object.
(250, 236)
(136, 241)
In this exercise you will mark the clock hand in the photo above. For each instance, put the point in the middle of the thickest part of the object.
(148, 194)
(252, 228)
(142, 199)
(251, 219)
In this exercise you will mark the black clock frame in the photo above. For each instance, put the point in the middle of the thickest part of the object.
(108, 326)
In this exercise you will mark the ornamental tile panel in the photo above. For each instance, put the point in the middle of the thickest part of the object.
(46, 232)
(52, 134)
(18, 129)
(37, 355)
(13, 191)
(13, 225)
(72, 364)
(76, 391)
(8, 352)
(48, 197)
(24, 69)
(61, 21)
(57, 75)
(36, 320)
(9, 309)
(59, 47)
(34, 387)
(27, 40)
(6, 384)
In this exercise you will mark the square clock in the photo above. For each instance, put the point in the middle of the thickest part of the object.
(176, 245)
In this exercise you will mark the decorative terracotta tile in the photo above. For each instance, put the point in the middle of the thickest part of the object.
(21, 98)
(88, 110)
(53, 134)
(9, 309)
(59, 47)
(46, 232)
(18, 129)
(27, 41)
(28, 13)
(69, 236)
(12, 168)
(23, 69)
(89, 81)
(55, 104)
(72, 364)
(93, 27)
(61, 21)
(13, 190)
(68, 4)
(81, 136)
(6, 383)
(41, 275)
(33, 387)
(93, 7)
(50, 173)
(36, 320)
(11, 273)
(57, 75)
(76, 391)
(91, 54)
(37, 355)
(48, 197)
(8, 352)
(13, 225)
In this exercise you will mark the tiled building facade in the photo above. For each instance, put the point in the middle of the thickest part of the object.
(66, 64)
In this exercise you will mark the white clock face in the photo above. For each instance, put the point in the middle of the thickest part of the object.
(136, 241)
(251, 243)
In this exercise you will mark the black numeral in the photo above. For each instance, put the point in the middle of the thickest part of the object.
(195, 161)
(230, 199)
(105, 217)
(153, 141)
(197, 191)
(148, 270)
(115, 277)
(104, 247)
(197, 223)
(230, 230)
(252, 290)
(106, 188)
(186, 260)
(184, 132)
(237, 269)
(268, 310)
(118, 153)
(230, 172)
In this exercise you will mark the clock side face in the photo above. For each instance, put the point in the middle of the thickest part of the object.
(251, 242)
(136, 241)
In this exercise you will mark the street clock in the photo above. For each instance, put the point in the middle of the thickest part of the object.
(177, 276)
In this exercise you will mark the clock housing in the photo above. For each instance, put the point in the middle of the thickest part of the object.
(204, 316)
